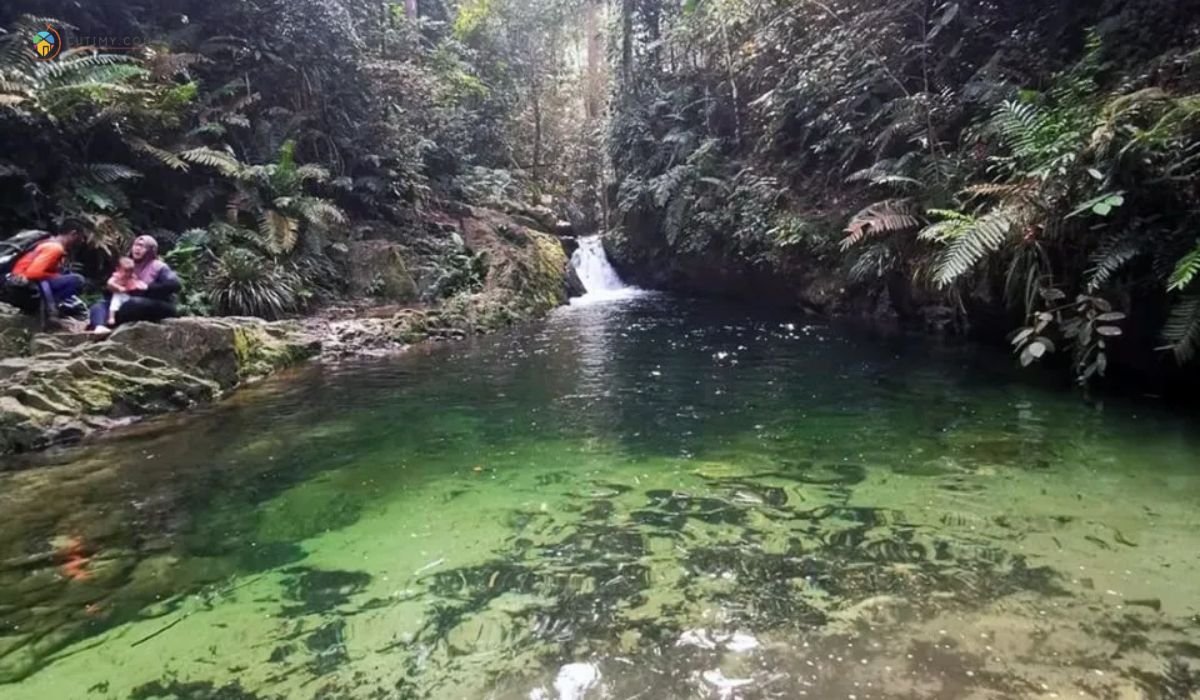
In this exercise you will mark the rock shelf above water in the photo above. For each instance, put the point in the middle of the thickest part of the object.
(76, 385)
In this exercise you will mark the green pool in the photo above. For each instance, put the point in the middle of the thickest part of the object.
(642, 498)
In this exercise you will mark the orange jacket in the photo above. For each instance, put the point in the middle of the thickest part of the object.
(42, 262)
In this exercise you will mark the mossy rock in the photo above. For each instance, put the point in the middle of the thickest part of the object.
(142, 369)
(378, 269)
(15, 332)
(225, 350)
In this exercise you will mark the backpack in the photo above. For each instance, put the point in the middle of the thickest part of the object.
(13, 248)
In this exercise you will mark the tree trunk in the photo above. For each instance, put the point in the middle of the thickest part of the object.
(535, 98)
(593, 79)
(626, 39)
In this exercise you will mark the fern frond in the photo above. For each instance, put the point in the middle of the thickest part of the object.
(1018, 124)
(222, 162)
(318, 211)
(111, 172)
(1024, 190)
(889, 216)
(987, 235)
(1185, 270)
(279, 230)
(163, 156)
(313, 173)
(665, 185)
(164, 64)
(873, 263)
(1182, 330)
(82, 65)
(953, 224)
(1111, 257)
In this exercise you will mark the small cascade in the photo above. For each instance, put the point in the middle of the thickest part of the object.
(597, 275)
(592, 266)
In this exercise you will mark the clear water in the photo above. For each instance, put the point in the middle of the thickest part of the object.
(641, 499)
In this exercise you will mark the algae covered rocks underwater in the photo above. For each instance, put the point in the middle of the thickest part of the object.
(641, 498)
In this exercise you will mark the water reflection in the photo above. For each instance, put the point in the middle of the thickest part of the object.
(634, 499)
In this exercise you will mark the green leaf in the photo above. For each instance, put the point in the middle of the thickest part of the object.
(1185, 270)
(1022, 336)
(1109, 331)
(1102, 205)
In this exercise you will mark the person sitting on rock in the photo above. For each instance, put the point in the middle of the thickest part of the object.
(42, 268)
(151, 300)
(122, 282)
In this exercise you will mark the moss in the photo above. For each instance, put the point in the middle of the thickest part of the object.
(261, 349)
(545, 276)
(15, 332)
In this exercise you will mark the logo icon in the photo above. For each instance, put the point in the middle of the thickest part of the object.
(47, 44)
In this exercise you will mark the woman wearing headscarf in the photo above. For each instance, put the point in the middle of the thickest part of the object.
(154, 302)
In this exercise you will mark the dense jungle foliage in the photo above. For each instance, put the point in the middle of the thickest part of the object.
(1010, 160)
(254, 138)
(996, 165)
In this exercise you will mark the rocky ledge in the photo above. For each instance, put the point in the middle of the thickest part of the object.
(58, 388)
(76, 384)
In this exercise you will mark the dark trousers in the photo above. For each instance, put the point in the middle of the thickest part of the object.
(64, 287)
(53, 291)
(134, 309)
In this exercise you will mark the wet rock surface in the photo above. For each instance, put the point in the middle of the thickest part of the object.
(61, 395)
(15, 330)
(61, 387)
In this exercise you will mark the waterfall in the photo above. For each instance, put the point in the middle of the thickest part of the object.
(597, 275)
(592, 266)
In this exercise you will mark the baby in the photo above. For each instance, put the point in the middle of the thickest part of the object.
(122, 282)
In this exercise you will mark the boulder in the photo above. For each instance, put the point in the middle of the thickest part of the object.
(377, 269)
(15, 331)
(59, 397)
(575, 286)
(141, 369)
(570, 244)
(227, 351)
(545, 216)
(59, 342)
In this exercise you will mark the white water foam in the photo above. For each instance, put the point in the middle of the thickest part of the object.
(598, 276)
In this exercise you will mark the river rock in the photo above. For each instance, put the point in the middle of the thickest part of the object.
(15, 329)
(224, 350)
(377, 269)
(575, 286)
(140, 369)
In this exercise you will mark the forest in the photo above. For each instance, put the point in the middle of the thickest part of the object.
(1026, 171)
(599, 349)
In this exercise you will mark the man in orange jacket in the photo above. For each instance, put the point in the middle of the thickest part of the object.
(42, 266)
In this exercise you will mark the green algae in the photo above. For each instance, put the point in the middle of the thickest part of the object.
(465, 522)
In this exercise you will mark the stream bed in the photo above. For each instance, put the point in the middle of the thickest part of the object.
(640, 498)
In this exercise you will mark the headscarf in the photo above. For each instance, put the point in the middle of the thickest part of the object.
(149, 266)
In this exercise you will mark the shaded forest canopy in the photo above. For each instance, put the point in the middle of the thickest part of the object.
(1013, 164)
(1007, 165)
(255, 138)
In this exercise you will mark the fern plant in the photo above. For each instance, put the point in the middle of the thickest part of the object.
(271, 198)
